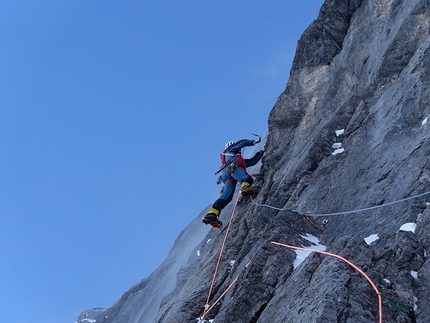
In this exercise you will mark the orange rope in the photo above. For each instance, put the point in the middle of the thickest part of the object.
(225, 292)
(349, 263)
(219, 260)
(219, 298)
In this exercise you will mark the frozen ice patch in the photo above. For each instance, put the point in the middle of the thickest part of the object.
(337, 145)
(231, 265)
(200, 320)
(408, 227)
(302, 254)
(371, 238)
(338, 151)
(300, 257)
(387, 281)
(414, 274)
(340, 132)
(312, 239)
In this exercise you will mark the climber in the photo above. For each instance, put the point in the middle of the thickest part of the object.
(233, 173)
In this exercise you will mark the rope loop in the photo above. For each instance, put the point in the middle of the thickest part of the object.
(348, 262)
(341, 213)
(206, 310)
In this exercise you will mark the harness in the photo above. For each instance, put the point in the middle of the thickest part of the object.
(232, 163)
(240, 161)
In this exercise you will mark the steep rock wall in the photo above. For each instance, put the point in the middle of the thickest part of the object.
(361, 67)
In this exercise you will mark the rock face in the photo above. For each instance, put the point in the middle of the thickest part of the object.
(350, 133)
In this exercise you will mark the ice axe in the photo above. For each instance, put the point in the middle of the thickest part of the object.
(259, 138)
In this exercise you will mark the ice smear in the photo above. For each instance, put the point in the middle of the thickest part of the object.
(371, 238)
(338, 151)
(408, 227)
(200, 320)
(302, 254)
(312, 239)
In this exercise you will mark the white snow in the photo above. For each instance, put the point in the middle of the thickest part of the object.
(199, 320)
(425, 121)
(88, 320)
(387, 281)
(300, 257)
(414, 274)
(312, 239)
(302, 254)
(208, 241)
(408, 227)
(371, 238)
(232, 262)
(415, 303)
(340, 132)
(338, 151)
(337, 145)
(198, 253)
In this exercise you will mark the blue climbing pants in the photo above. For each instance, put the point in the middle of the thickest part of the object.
(230, 179)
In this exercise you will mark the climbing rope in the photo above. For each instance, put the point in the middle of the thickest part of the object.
(225, 292)
(348, 262)
(341, 213)
(206, 307)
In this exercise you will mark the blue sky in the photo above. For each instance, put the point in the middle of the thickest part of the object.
(112, 118)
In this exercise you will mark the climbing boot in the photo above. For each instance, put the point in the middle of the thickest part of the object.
(212, 218)
(246, 189)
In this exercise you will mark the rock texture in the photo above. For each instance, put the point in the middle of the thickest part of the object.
(350, 132)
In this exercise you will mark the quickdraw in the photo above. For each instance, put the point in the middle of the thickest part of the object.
(316, 224)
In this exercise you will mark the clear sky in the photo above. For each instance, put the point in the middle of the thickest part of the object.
(112, 118)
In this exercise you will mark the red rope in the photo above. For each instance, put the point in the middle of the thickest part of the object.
(219, 260)
(222, 295)
(349, 263)
(219, 298)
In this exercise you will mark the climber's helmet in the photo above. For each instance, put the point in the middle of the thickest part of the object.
(229, 144)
